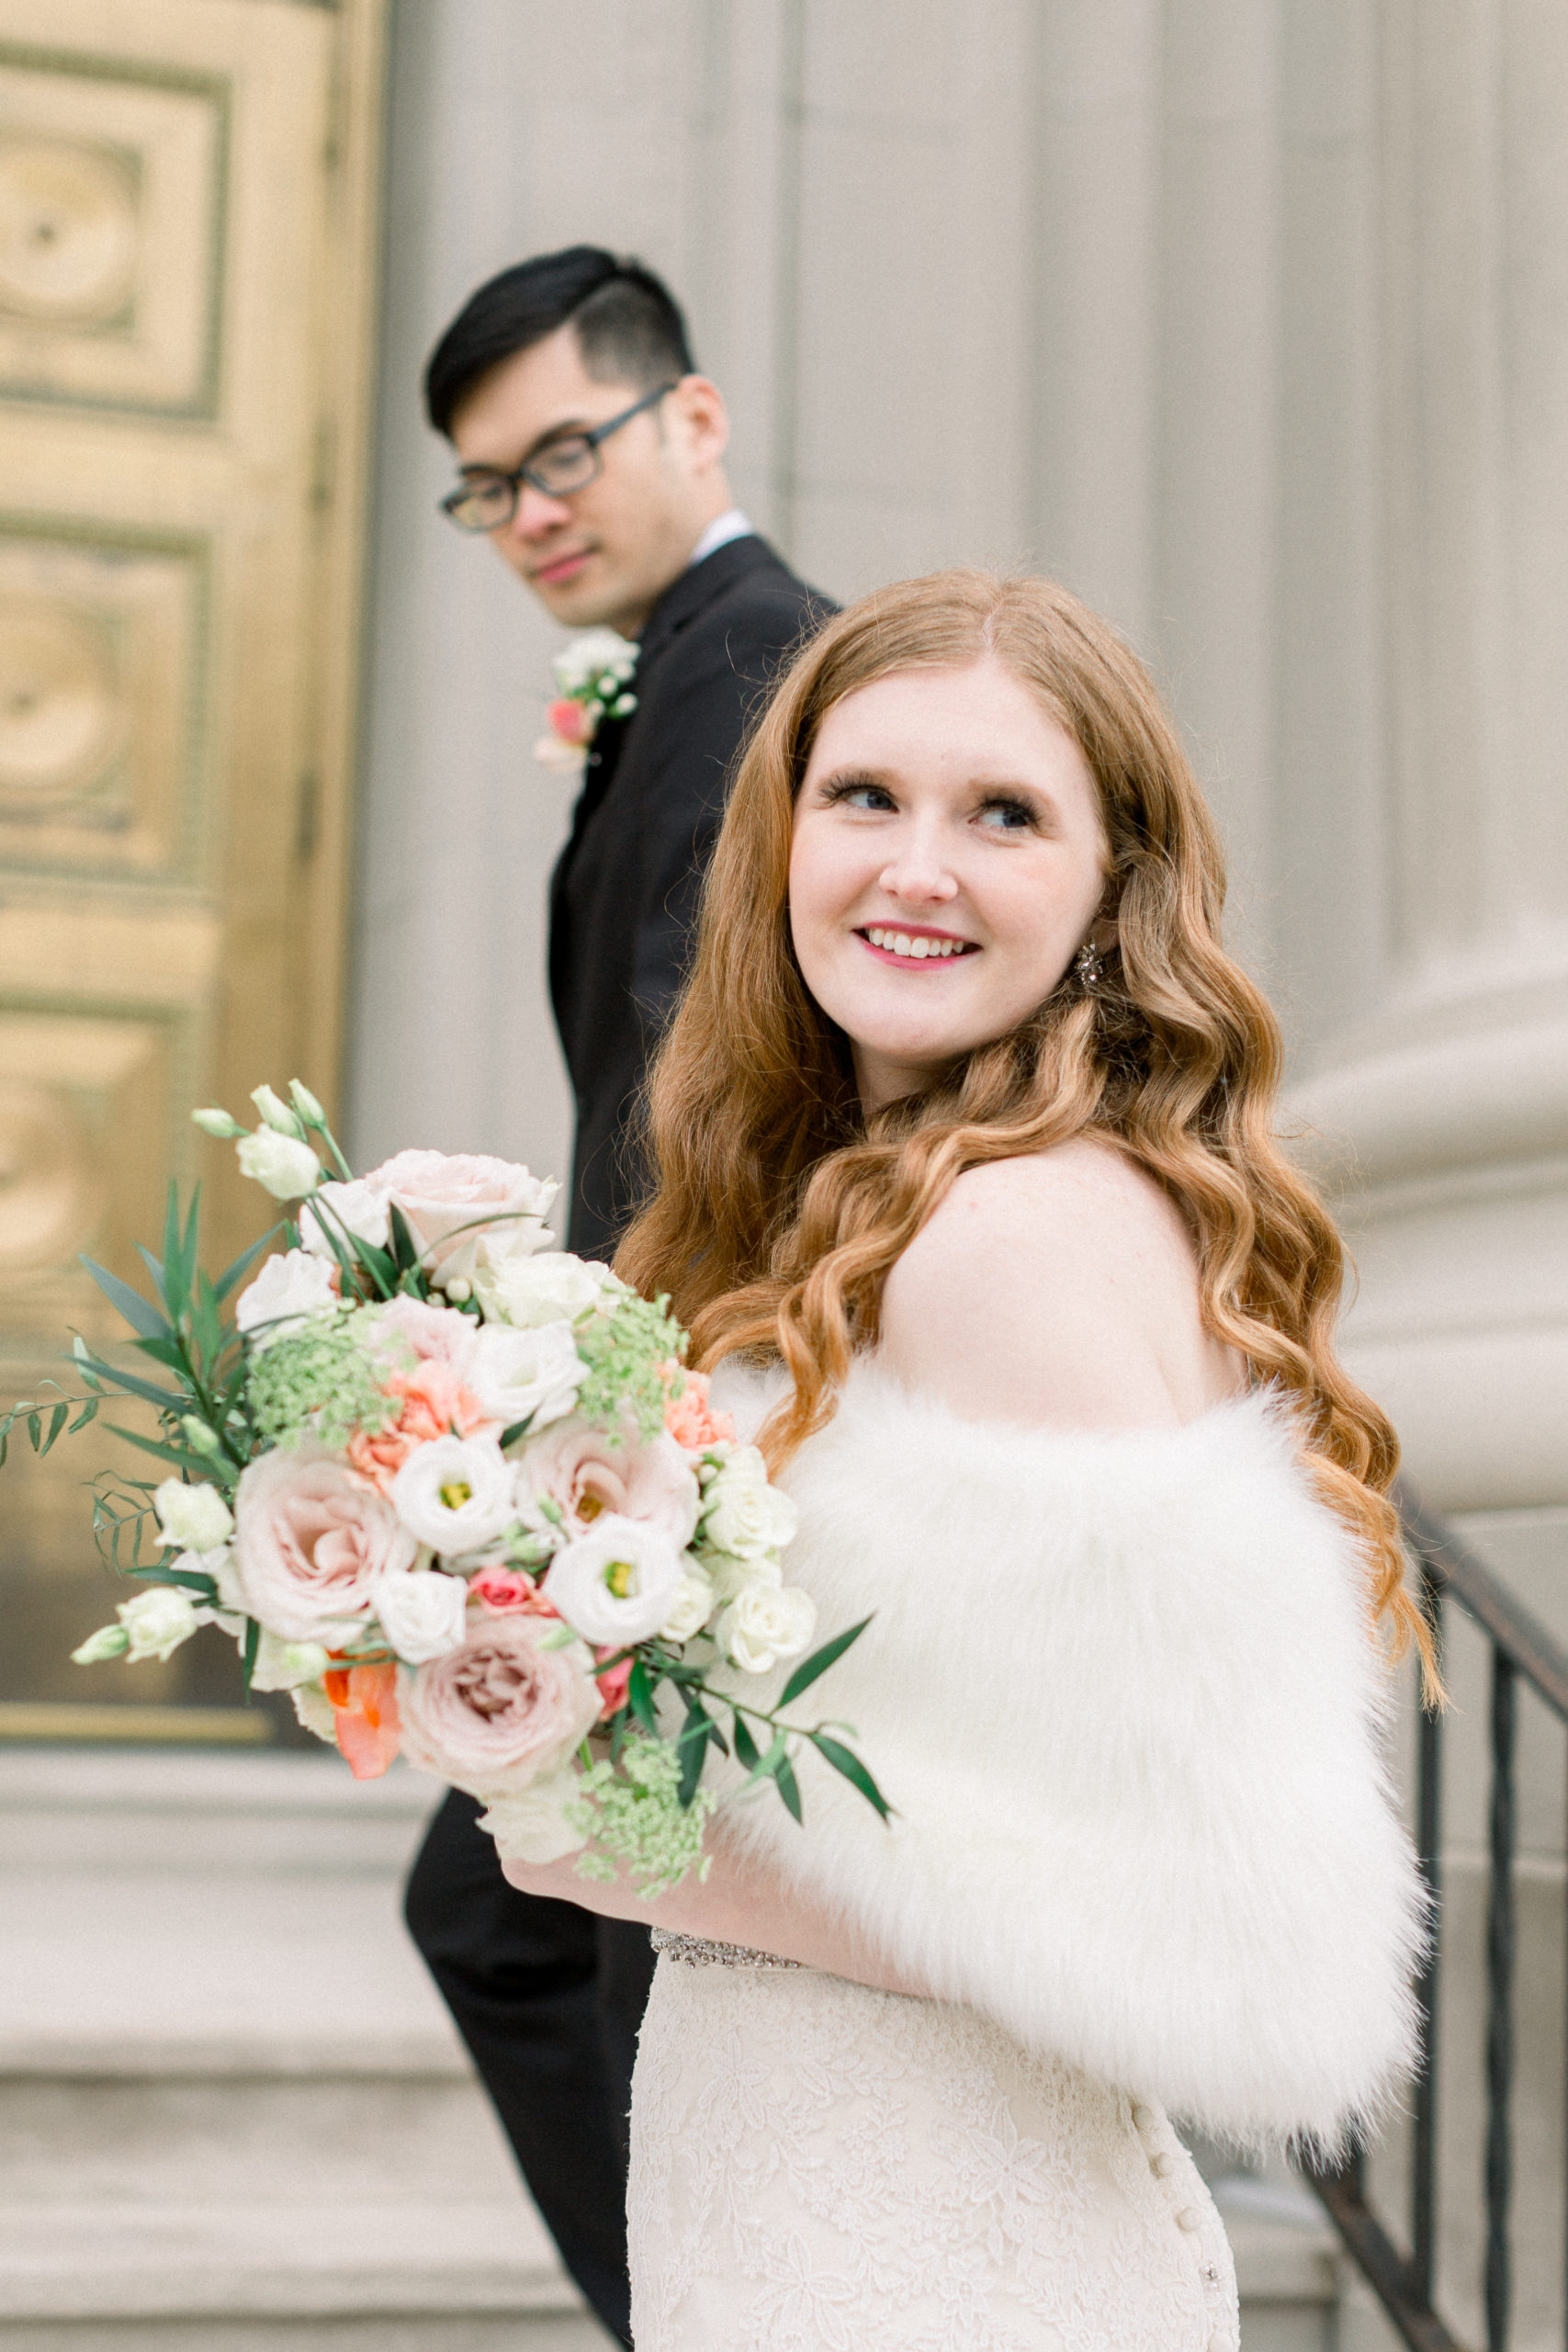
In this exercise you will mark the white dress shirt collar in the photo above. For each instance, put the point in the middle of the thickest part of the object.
(724, 527)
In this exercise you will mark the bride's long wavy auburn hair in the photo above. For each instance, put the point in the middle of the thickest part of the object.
(780, 1208)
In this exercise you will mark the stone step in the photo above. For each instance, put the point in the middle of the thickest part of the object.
(233, 2113)
(113, 2262)
(234, 2116)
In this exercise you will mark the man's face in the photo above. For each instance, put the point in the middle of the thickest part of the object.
(605, 554)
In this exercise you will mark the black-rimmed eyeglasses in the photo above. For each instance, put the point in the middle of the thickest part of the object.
(484, 500)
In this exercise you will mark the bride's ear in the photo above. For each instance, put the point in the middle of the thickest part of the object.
(1105, 932)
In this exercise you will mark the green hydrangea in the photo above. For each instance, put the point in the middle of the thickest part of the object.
(321, 1382)
(623, 1351)
(633, 1813)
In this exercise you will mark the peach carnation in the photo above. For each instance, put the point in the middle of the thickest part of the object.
(434, 1404)
(688, 1417)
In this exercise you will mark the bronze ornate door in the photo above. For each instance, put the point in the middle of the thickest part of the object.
(186, 279)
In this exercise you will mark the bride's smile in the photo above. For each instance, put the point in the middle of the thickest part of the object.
(948, 862)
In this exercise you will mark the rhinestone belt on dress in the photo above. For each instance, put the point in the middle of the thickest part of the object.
(696, 1952)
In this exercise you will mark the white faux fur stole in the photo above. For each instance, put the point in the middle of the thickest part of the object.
(1121, 1692)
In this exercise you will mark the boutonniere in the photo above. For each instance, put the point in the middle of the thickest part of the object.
(593, 676)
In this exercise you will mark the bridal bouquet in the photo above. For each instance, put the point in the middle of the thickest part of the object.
(454, 1490)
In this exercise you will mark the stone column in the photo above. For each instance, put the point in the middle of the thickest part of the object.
(1449, 1088)
(1439, 1086)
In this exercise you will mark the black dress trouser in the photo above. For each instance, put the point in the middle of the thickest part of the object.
(549, 1999)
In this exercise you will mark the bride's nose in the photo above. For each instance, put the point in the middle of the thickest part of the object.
(917, 873)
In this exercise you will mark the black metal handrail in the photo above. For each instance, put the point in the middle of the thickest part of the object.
(1521, 1647)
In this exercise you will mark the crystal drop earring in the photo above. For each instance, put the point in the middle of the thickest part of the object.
(1090, 966)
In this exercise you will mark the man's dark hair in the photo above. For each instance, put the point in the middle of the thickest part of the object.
(629, 326)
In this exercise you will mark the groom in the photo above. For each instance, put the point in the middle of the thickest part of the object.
(590, 453)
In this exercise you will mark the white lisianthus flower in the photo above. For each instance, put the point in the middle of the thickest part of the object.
(766, 1624)
(287, 1291)
(455, 1493)
(530, 1377)
(528, 1288)
(618, 1583)
(742, 1514)
(286, 1167)
(532, 1825)
(423, 1612)
(109, 1641)
(315, 1710)
(196, 1518)
(693, 1605)
(283, 1666)
(159, 1620)
(214, 1122)
(358, 1205)
(276, 1113)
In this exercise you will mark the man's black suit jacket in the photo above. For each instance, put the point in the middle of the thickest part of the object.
(624, 895)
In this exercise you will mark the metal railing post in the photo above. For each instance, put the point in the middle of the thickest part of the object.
(1428, 1837)
(1500, 2002)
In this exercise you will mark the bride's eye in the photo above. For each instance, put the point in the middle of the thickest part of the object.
(857, 792)
(1007, 816)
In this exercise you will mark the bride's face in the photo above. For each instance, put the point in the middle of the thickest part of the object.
(948, 863)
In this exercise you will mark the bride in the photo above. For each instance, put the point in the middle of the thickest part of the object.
(967, 1181)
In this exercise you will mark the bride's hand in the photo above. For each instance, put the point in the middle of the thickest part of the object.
(561, 1882)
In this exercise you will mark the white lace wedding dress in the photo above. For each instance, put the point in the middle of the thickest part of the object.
(1119, 1691)
(819, 2167)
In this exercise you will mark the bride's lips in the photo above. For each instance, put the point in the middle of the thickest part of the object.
(947, 946)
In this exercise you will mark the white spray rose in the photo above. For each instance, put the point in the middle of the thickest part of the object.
(359, 1205)
(529, 1288)
(456, 1493)
(218, 1563)
(730, 1577)
(742, 1514)
(196, 1518)
(287, 1167)
(283, 1666)
(530, 1377)
(766, 1624)
(287, 1291)
(596, 652)
(693, 1605)
(424, 1612)
(159, 1620)
(532, 1825)
(618, 1583)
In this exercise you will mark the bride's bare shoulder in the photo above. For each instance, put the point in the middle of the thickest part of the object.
(1060, 1288)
